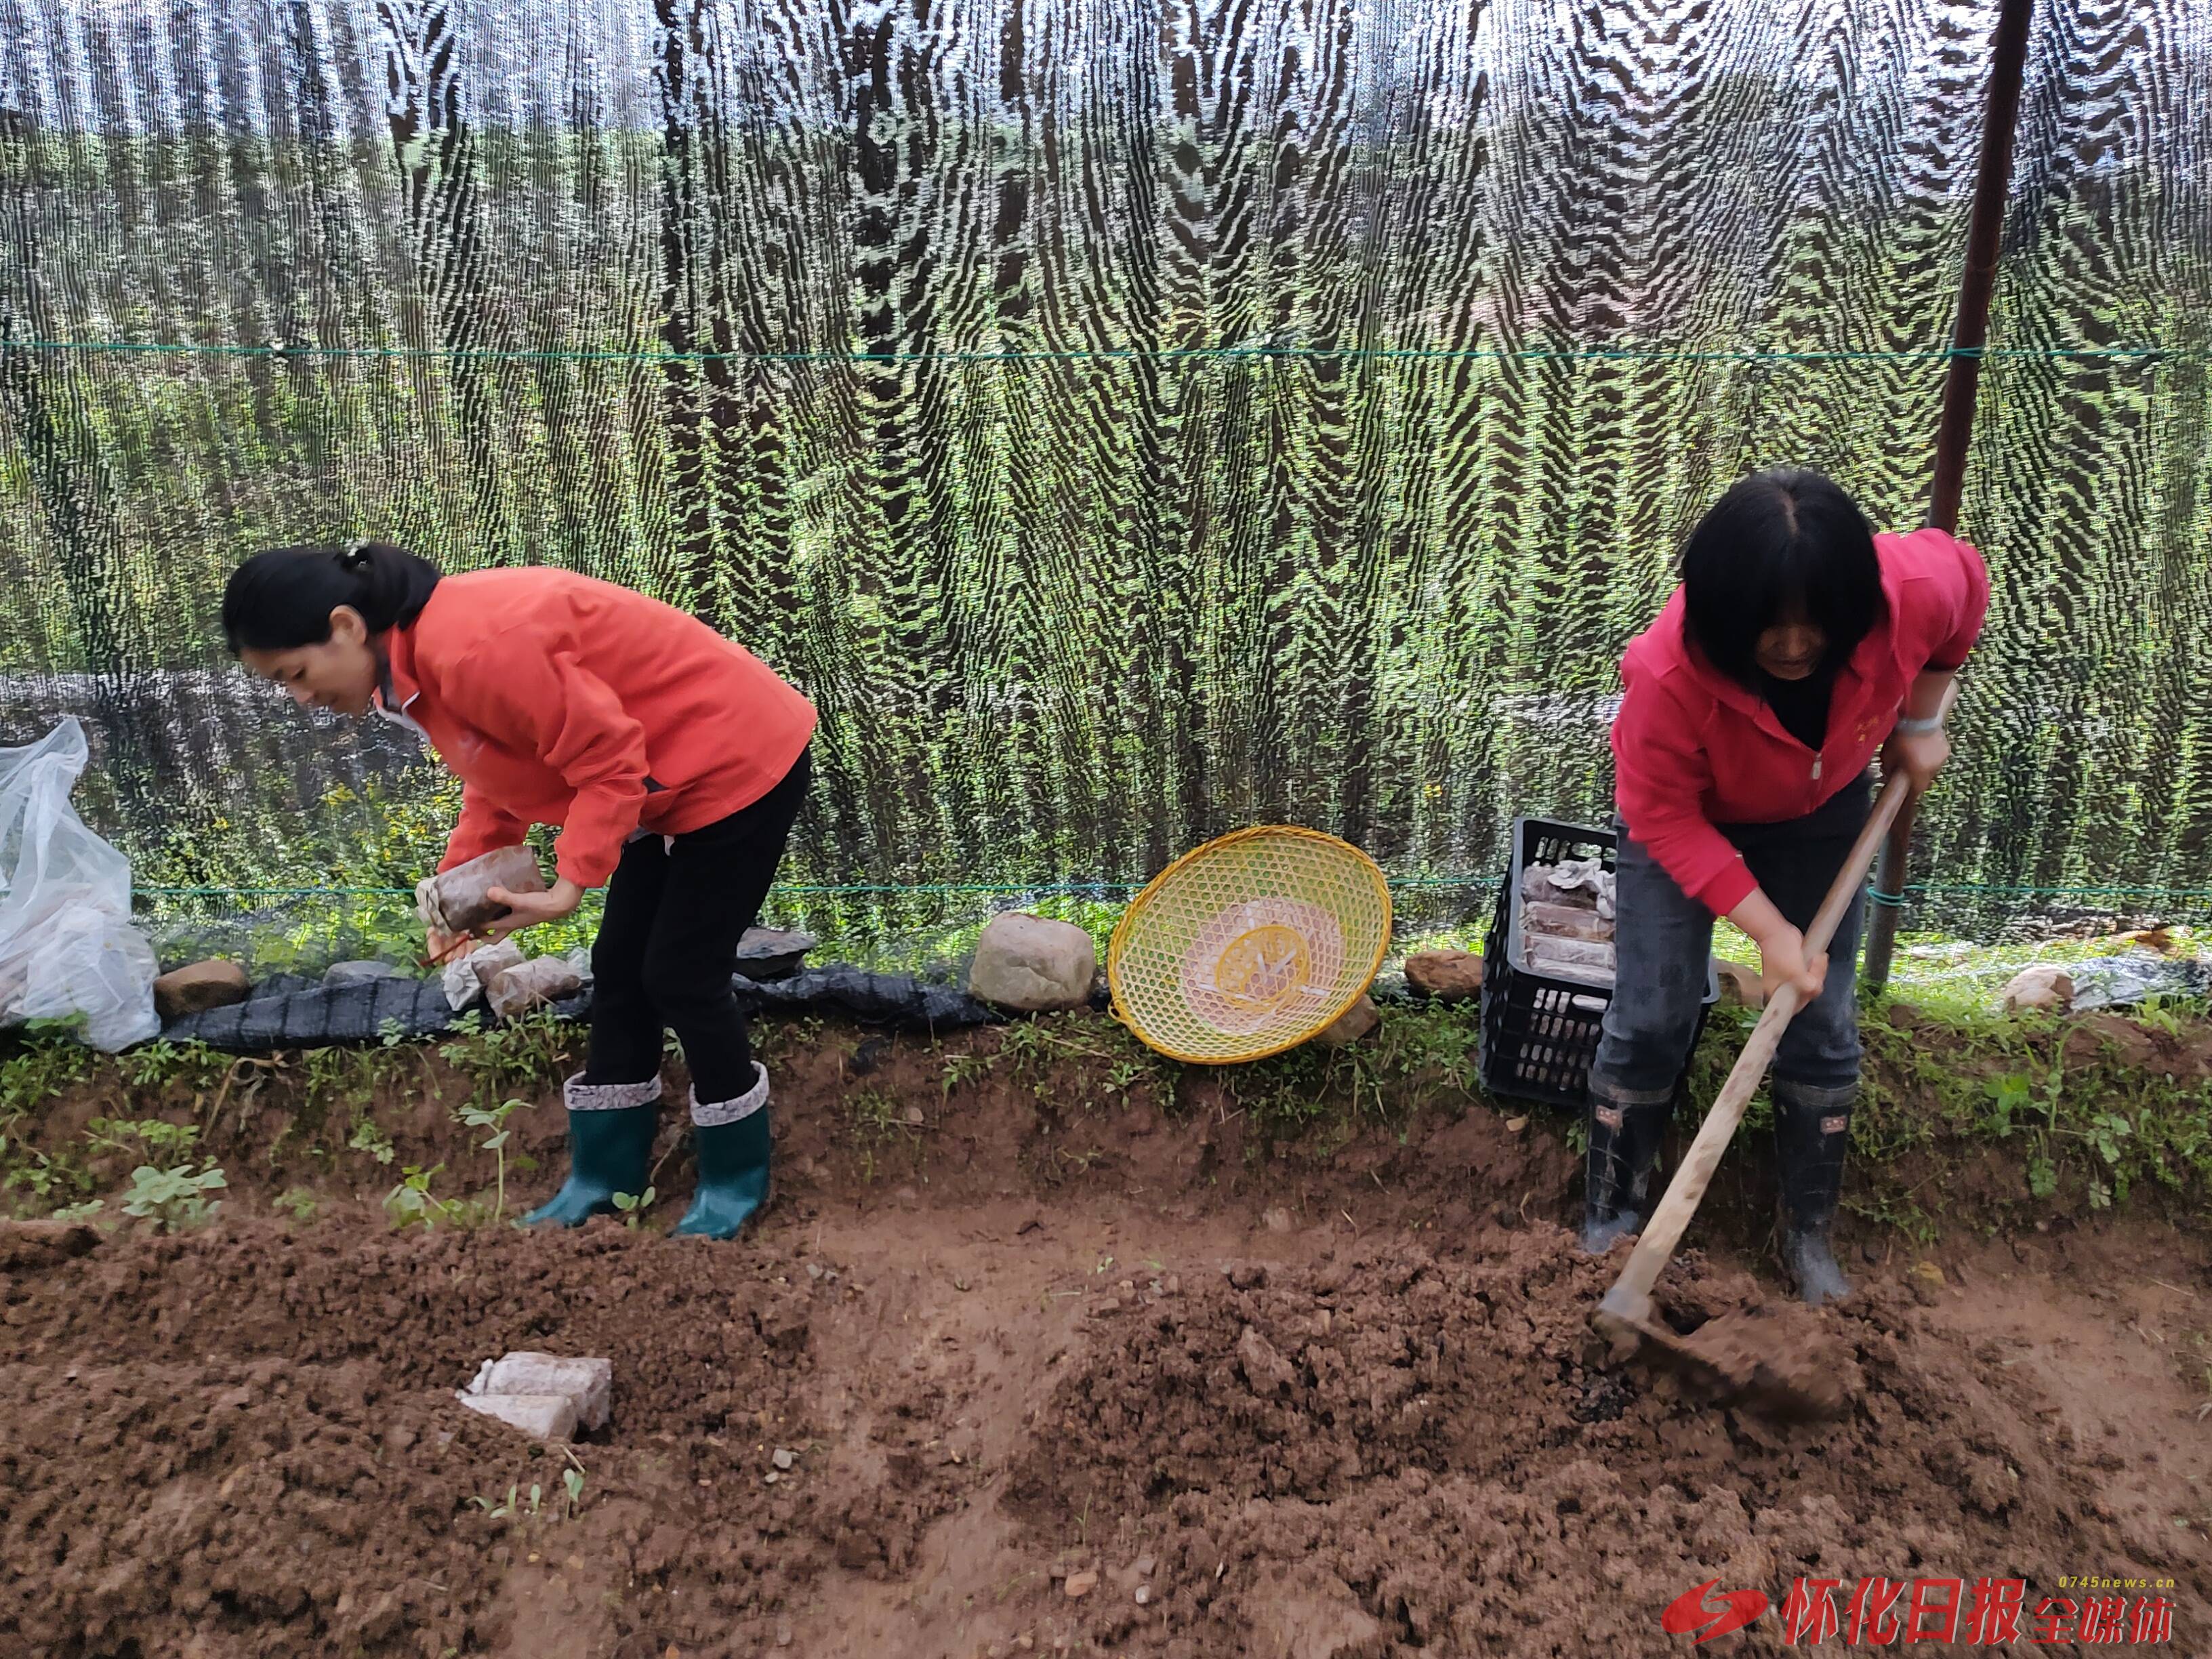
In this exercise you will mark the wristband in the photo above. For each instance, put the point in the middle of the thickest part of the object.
(1919, 728)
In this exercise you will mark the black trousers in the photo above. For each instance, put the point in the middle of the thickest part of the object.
(668, 945)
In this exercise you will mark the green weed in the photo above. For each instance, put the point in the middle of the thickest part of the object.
(172, 1199)
(492, 1118)
(162, 1145)
(412, 1204)
(878, 1123)
(369, 1136)
(298, 1203)
(53, 1179)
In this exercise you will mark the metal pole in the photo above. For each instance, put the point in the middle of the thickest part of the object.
(1954, 436)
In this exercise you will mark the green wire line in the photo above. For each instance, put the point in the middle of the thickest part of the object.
(1074, 889)
(1609, 354)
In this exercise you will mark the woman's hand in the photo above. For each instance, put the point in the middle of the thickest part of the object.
(1781, 958)
(528, 910)
(1918, 756)
(1782, 961)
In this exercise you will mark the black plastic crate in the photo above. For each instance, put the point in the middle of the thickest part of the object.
(1541, 1033)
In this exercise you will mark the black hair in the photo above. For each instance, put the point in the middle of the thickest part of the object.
(283, 599)
(1784, 540)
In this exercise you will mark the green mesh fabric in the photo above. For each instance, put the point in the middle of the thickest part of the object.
(1127, 422)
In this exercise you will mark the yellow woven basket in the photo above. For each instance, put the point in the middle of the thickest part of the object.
(1250, 946)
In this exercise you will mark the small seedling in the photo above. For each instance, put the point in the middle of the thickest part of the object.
(572, 1481)
(172, 1199)
(84, 1211)
(412, 1203)
(512, 1506)
(164, 1145)
(634, 1206)
(494, 1118)
(44, 1178)
(367, 1137)
(299, 1203)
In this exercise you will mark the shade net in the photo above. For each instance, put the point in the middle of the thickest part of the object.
(1127, 422)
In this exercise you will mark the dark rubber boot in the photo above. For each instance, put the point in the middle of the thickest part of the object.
(733, 1163)
(1624, 1144)
(1811, 1133)
(609, 1147)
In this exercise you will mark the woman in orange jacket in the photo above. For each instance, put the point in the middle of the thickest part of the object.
(672, 761)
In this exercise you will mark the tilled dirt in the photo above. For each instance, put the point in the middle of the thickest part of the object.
(1333, 1412)
(1411, 1455)
(244, 1440)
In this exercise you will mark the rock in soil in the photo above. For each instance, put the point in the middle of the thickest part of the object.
(194, 990)
(1032, 963)
(2040, 988)
(1353, 1024)
(1446, 975)
(772, 953)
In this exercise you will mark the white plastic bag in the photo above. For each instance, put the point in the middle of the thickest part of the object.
(67, 948)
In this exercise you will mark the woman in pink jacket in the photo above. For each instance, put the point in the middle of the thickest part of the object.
(1799, 644)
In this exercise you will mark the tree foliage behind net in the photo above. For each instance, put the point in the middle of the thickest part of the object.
(1127, 421)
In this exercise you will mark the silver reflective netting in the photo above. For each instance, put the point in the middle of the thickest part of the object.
(1126, 421)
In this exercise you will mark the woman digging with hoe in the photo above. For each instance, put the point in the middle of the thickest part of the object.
(673, 761)
(1798, 644)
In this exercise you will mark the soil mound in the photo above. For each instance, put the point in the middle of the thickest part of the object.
(1389, 1453)
(244, 1439)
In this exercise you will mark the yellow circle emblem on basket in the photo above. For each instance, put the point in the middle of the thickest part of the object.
(1250, 946)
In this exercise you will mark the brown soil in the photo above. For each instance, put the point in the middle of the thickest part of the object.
(1311, 1410)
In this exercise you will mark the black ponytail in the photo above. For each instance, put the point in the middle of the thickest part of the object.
(282, 600)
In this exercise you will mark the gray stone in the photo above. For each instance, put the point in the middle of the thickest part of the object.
(360, 973)
(767, 953)
(1031, 963)
(1355, 1022)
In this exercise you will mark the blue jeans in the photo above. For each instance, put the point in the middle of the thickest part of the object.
(1663, 939)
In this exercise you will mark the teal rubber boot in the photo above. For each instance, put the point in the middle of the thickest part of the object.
(611, 1128)
(734, 1144)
